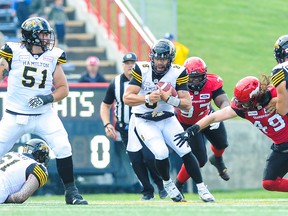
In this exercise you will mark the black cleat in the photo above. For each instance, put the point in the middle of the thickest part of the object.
(219, 164)
(163, 194)
(147, 197)
(75, 199)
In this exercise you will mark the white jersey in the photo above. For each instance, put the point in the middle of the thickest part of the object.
(14, 171)
(148, 84)
(29, 75)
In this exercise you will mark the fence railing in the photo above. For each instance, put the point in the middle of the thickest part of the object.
(122, 26)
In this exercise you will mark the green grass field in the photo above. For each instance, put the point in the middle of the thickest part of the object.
(248, 202)
(235, 38)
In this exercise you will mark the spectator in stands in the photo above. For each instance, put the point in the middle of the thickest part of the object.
(92, 71)
(181, 50)
(22, 10)
(37, 8)
(57, 18)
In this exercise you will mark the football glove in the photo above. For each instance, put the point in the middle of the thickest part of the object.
(40, 100)
(186, 135)
(214, 126)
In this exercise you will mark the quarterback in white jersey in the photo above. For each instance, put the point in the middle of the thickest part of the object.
(36, 80)
(22, 174)
(155, 121)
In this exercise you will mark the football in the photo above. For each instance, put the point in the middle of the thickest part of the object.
(165, 86)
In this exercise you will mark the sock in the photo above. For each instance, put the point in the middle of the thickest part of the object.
(192, 167)
(217, 152)
(280, 184)
(183, 175)
(163, 167)
(65, 171)
(141, 171)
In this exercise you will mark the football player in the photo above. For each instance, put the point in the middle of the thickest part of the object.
(252, 101)
(22, 174)
(153, 109)
(34, 70)
(203, 88)
(142, 160)
(280, 74)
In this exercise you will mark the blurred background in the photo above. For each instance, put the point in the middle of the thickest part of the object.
(235, 39)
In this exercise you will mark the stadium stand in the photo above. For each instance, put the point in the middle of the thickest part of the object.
(81, 45)
(8, 20)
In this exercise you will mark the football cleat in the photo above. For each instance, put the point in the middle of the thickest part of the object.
(173, 192)
(75, 199)
(219, 164)
(163, 194)
(205, 195)
(180, 186)
(147, 197)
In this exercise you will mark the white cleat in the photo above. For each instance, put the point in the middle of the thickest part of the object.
(205, 195)
(173, 192)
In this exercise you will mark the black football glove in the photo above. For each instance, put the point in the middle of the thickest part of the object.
(40, 100)
(186, 135)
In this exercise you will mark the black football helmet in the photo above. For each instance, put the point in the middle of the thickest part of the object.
(38, 149)
(162, 49)
(281, 49)
(31, 29)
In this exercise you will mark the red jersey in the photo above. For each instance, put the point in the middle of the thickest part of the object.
(202, 101)
(272, 125)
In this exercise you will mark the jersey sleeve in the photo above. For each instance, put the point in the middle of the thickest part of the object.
(182, 81)
(6, 53)
(39, 171)
(279, 74)
(62, 59)
(236, 109)
(136, 76)
(110, 93)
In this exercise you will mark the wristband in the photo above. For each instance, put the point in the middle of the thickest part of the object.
(174, 101)
(107, 125)
(47, 98)
(147, 100)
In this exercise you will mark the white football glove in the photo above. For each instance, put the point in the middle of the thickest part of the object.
(214, 126)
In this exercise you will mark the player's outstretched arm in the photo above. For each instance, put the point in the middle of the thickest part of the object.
(30, 186)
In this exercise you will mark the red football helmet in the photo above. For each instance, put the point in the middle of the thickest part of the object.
(246, 92)
(197, 70)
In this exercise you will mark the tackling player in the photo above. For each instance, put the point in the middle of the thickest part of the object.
(22, 174)
(34, 70)
(252, 101)
(203, 88)
(153, 110)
